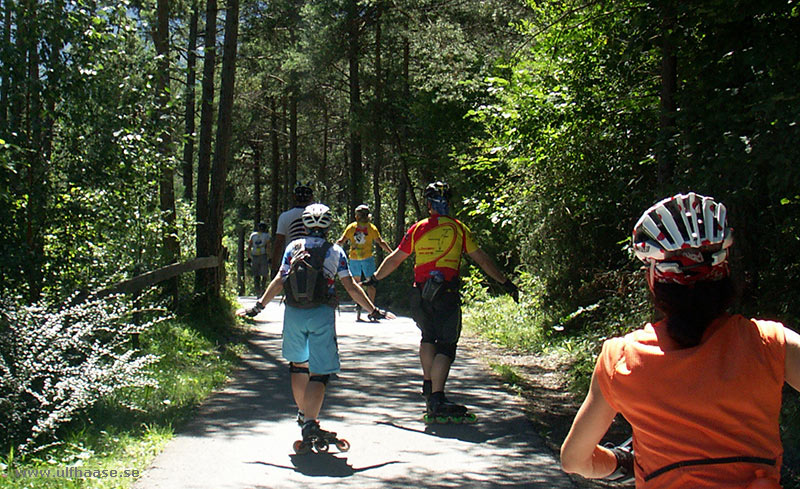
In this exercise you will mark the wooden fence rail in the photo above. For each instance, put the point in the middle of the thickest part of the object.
(140, 282)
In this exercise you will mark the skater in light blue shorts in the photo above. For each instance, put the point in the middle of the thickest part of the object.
(309, 329)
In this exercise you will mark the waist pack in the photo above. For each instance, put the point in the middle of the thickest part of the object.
(306, 286)
(436, 285)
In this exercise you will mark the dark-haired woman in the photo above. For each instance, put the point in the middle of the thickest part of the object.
(701, 388)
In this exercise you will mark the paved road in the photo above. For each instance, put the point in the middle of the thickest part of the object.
(242, 436)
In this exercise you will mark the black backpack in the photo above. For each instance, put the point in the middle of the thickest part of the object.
(306, 286)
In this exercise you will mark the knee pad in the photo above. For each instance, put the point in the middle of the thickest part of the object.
(447, 349)
(320, 378)
(297, 370)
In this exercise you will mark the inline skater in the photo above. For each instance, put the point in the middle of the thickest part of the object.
(309, 330)
(361, 234)
(438, 242)
(701, 387)
(290, 222)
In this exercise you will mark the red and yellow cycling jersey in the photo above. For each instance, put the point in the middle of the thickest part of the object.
(438, 244)
(703, 417)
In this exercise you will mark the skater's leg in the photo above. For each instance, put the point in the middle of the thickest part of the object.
(427, 352)
(299, 379)
(436, 360)
(439, 372)
(314, 396)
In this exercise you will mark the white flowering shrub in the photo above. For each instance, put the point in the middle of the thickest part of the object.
(57, 363)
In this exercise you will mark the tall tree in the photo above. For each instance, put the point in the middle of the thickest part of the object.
(5, 71)
(204, 238)
(377, 125)
(276, 164)
(669, 86)
(353, 20)
(171, 246)
(189, 110)
(222, 150)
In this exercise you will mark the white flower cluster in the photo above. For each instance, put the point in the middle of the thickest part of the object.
(55, 363)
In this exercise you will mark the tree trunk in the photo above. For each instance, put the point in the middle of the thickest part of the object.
(257, 156)
(170, 252)
(203, 241)
(377, 124)
(292, 178)
(400, 217)
(356, 171)
(323, 168)
(286, 192)
(219, 171)
(5, 68)
(669, 84)
(276, 166)
(36, 171)
(189, 115)
(402, 188)
(241, 276)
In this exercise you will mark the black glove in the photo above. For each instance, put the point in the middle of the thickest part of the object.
(250, 261)
(253, 311)
(511, 290)
(624, 471)
(377, 314)
(370, 281)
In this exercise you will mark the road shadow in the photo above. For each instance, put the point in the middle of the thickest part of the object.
(324, 465)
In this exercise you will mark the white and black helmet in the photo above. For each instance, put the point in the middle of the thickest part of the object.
(680, 233)
(317, 217)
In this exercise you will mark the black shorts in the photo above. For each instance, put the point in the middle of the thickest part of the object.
(440, 319)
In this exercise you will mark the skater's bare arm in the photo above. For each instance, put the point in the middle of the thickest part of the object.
(357, 293)
(275, 287)
(488, 266)
(390, 264)
(580, 452)
(792, 359)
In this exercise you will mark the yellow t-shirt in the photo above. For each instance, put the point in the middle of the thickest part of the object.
(361, 236)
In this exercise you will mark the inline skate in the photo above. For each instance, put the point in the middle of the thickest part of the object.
(318, 440)
(442, 411)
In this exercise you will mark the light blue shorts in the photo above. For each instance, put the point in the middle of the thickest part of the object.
(309, 335)
(365, 267)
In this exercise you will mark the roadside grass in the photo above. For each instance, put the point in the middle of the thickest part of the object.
(124, 432)
(577, 337)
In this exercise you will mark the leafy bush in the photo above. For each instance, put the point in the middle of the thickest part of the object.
(56, 363)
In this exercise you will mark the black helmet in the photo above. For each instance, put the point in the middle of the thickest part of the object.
(437, 191)
(261, 226)
(303, 192)
(438, 196)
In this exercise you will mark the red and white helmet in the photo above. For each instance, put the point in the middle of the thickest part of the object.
(684, 239)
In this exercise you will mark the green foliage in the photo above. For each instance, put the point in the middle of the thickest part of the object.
(125, 430)
(571, 142)
(56, 364)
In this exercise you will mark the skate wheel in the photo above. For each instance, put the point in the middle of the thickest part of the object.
(300, 448)
(321, 447)
(456, 419)
(470, 418)
(428, 419)
(343, 445)
(442, 419)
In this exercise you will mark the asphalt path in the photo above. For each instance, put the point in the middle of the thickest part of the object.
(242, 436)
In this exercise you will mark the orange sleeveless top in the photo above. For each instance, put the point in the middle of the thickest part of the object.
(702, 417)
